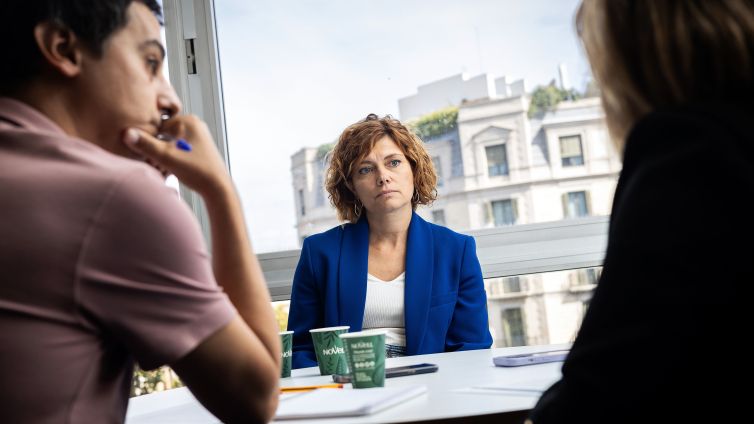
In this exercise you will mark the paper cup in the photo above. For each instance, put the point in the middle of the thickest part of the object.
(328, 347)
(365, 351)
(286, 340)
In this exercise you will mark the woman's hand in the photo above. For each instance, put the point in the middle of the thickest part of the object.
(201, 168)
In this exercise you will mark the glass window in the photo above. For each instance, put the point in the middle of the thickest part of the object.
(571, 153)
(438, 217)
(585, 277)
(548, 307)
(537, 309)
(502, 286)
(575, 204)
(294, 78)
(319, 187)
(301, 202)
(513, 327)
(504, 212)
(593, 275)
(512, 284)
(497, 161)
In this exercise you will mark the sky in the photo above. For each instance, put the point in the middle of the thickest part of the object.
(295, 73)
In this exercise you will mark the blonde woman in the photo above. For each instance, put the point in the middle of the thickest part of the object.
(659, 342)
(387, 268)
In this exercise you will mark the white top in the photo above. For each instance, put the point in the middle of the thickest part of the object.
(384, 309)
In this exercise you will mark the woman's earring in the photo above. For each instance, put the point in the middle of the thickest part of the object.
(357, 208)
(415, 197)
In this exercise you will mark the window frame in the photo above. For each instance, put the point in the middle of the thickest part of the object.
(301, 202)
(567, 203)
(513, 208)
(508, 335)
(502, 251)
(512, 284)
(191, 24)
(505, 164)
(581, 155)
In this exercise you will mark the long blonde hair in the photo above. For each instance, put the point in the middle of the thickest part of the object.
(651, 54)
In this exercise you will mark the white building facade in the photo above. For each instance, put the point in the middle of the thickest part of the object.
(500, 167)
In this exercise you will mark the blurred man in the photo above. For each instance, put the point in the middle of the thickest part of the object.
(102, 264)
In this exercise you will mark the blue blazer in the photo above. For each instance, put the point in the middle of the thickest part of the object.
(445, 302)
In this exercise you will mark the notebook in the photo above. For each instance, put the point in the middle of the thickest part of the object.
(324, 403)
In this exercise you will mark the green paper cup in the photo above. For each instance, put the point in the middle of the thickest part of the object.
(329, 349)
(286, 340)
(365, 351)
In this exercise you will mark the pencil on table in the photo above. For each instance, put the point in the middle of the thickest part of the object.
(309, 388)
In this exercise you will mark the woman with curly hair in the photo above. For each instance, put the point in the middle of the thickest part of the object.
(387, 268)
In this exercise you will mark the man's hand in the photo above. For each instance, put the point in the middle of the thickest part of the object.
(202, 169)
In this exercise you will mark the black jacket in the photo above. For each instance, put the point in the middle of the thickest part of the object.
(662, 338)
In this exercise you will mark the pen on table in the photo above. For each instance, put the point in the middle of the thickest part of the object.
(309, 388)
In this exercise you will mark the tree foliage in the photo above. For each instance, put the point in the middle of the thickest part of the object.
(324, 149)
(157, 380)
(545, 98)
(435, 123)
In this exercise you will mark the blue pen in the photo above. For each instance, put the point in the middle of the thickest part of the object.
(183, 145)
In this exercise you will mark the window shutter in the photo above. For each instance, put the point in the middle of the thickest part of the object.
(486, 213)
(588, 196)
(564, 200)
(570, 146)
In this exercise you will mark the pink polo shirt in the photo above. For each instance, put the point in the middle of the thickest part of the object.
(101, 264)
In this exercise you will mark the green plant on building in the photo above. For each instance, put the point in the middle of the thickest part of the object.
(324, 149)
(545, 98)
(435, 123)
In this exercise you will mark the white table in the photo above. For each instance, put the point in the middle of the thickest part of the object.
(453, 395)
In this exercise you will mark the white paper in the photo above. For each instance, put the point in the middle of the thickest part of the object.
(518, 387)
(322, 403)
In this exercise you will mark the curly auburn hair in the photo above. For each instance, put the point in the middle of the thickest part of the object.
(356, 142)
